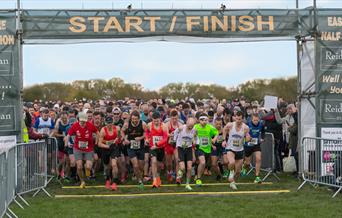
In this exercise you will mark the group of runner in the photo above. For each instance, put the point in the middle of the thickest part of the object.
(186, 139)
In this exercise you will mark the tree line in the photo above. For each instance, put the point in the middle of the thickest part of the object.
(117, 88)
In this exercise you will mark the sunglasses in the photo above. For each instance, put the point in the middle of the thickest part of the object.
(116, 113)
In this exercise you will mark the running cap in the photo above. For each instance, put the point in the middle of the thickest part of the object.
(82, 116)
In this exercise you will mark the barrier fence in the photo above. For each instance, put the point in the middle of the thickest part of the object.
(268, 157)
(26, 168)
(321, 162)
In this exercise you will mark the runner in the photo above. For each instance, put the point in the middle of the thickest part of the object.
(257, 133)
(207, 136)
(60, 132)
(70, 169)
(109, 142)
(170, 152)
(133, 133)
(156, 135)
(44, 124)
(123, 159)
(238, 133)
(216, 153)
(185, 137)
(84, 145)
(97, 120)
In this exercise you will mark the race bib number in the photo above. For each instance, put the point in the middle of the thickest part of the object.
(135, 144)
(83, 145)
(236, 142)
(186, 143)
(44, 131)
(254, 141)
(204, 141)
(156, 139)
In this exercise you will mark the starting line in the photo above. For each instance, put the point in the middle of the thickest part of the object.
(166, 185)
(175, 194)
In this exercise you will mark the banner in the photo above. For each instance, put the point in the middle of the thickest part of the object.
(90, 24)
(10, 81)
(329, 70)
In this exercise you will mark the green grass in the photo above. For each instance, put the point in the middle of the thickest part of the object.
(308, 202)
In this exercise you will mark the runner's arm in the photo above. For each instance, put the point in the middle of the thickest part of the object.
(101, 144)
(248, 136)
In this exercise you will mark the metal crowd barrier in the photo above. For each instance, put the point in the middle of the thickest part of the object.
(52, 160)
(7, 181)
(267, 158)
(26, 168)
(321, 162)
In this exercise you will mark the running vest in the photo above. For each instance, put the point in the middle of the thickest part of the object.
(135, 131)
(236, 138)
(108, 138)
(255, 133)
(156, 134)
(185, 138)
(62, 129)
(45, 126)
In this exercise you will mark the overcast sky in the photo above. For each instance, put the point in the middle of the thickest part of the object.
(154, 64)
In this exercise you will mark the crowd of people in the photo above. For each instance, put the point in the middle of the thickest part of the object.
(142, 140)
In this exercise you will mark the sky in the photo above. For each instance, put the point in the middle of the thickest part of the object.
(155, 64)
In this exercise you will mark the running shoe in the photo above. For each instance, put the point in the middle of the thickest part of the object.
(107, 184)
(257, 180)
(178, 181)
(225, 174)
(155, 183)
(67, 179)
(114, 187)
(188, 187)
(159, 181)
(198, 182)
(231, 175)
(147, 178)
(232, 185)
(83, 185)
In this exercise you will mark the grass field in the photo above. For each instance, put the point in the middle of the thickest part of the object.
(214, 200)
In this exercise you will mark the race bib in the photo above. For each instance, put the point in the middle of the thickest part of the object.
(156, 139)
(83, 145)
(135, 144)
(254, 141)
(204, 141)
(186, 143)
(236, 142)
(44, 131)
